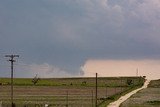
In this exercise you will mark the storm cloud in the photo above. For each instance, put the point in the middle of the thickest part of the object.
(63, 34)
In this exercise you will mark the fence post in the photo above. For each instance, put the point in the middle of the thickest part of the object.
(121, 85)
(67, 99)
(0, 103)
(106, 92)
(96, 105)
(92, 97)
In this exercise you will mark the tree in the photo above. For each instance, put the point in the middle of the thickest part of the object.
(35, 80)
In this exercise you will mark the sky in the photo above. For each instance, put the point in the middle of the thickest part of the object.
(65, 38)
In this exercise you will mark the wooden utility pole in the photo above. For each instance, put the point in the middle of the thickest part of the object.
(96, 91)
(12, 61)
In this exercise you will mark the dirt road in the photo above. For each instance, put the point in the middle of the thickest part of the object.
(125, 97)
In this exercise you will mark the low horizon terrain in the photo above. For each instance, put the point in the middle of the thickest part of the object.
(67, 91)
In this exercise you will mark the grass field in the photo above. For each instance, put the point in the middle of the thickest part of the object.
(62, 92)
(149, 97)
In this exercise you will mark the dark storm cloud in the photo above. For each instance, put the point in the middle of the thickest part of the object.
(65, 33)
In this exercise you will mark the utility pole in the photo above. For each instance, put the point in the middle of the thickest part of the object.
(96, 91)
(12, 61)
(92, 98)
(137, 72)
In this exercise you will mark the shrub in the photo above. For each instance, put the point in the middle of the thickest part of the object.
(129, 82)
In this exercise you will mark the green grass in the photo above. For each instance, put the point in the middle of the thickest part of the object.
(148, 97)
(155, 102)
(77, 88)
(89, 81)
(117, 96)
(155, 84)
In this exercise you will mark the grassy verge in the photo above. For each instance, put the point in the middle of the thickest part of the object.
(117, 96)
(86, 81)
(149, 97)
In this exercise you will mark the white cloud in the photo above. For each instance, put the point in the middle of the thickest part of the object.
(46, 70)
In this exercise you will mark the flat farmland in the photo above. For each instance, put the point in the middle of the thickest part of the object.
(62, 92)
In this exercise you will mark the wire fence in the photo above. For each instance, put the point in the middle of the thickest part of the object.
(78, 92)
(68, 98)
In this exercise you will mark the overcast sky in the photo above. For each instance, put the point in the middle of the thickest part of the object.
(57, 37)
